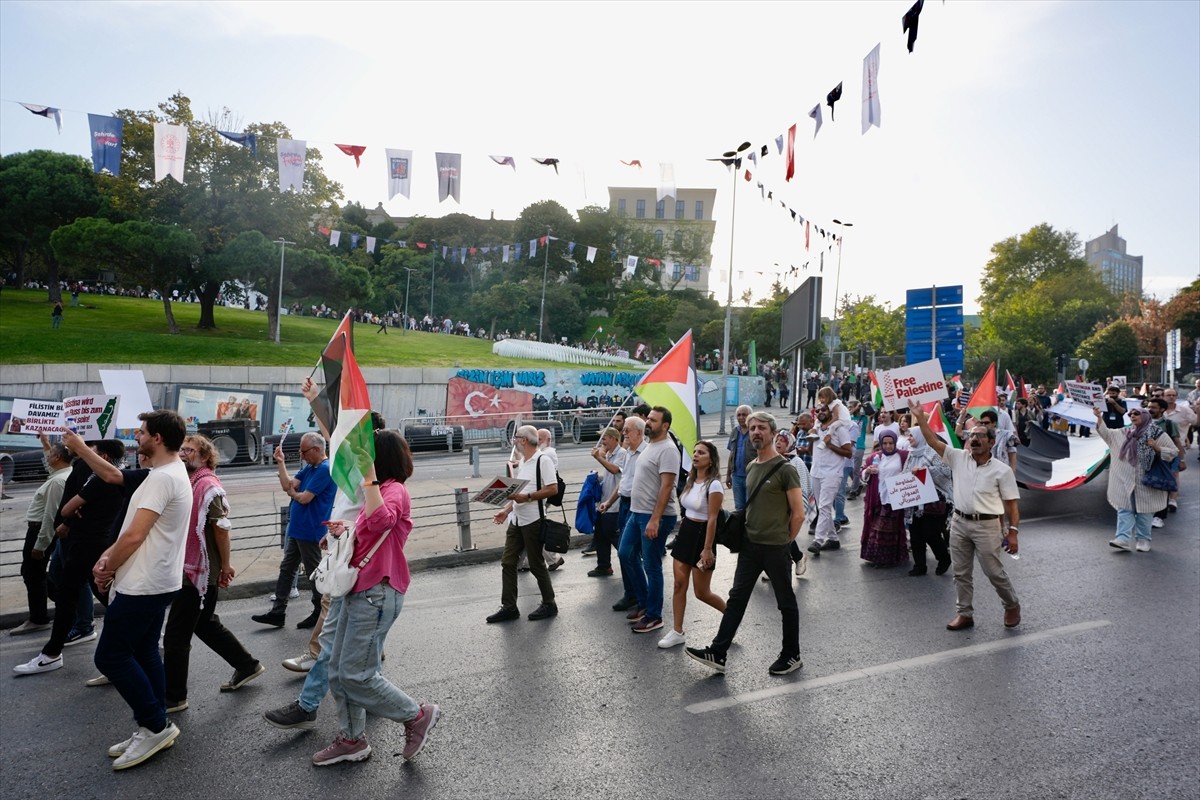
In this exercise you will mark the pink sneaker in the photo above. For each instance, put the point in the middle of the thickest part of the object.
(416, 731)
(343, 749)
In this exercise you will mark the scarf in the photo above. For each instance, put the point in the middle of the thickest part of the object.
(205, 487)
(1133, 435)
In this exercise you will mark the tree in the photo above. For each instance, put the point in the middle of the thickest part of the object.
(1112, 350)
(765, 324)
(1019, 262)
(642, 314)
(864, 324)
(41, 191)
(146, 253)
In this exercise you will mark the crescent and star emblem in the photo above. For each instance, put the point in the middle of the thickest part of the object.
(494, 402)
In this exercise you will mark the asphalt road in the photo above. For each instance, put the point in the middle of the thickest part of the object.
(1095, 695)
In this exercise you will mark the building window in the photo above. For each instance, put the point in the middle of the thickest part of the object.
(693, 274)
(641, 209)
(660, 209)
(678, 240)
(621, 207)
(676, 271)
(658, 238)
(680, 209)
(699, 209)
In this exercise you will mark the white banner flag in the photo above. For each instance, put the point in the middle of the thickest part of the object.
(449, 171)
(370, 244)
(630, 265)
(504, 257)
(666, 181)
(591, 255)
(870, 90)
(291, 164)
(532, 248)
(335, 238)
(399, 164)
(170, 150)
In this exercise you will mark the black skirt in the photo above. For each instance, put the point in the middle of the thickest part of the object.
(689, 542)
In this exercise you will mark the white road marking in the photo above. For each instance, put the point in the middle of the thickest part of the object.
(895, 666)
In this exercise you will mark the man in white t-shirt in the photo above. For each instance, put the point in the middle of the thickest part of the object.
(833, 446)
(545, 448)
(143, 570)
(524, 516)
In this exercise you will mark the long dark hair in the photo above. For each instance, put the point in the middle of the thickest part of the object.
(393, 459)
(714, 470)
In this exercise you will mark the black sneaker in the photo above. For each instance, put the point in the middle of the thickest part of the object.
(308, 622)
(814, 548)
(942, 567)
(624, 604)
(505, 614)
(544, 611)
(831, 544)
(708, 657)
(270, 618)
(785, 664)
(588, 551)
(292, 716)
(600, 572)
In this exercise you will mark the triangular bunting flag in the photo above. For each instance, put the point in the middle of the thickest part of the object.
(355, 150)
(47, 112)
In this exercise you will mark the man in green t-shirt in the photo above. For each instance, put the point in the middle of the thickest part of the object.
(774, 515)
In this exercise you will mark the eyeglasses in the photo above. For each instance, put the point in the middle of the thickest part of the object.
(187, 449)
(304, 450)
(977, 435)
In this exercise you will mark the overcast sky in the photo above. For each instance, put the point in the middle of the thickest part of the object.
(1079, 114)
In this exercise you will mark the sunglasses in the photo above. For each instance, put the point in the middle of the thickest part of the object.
(1135, 413)
(977, 436)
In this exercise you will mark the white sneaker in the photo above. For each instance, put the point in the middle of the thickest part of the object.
(1121, 543)
(39, 663)
(1173, 505)
(144, 744)
(801, 566)
(294, 593)
(301, 663)
(29, 626)
(99, 680)
(1143, 546)
(1156, 522)
(672, 639)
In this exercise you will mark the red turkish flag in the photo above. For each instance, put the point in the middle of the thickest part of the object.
(480, 405)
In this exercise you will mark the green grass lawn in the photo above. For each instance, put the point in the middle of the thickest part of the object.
(124, 330)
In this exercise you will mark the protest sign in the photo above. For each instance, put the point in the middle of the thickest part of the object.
(1118, 381)
(92, 416)
(499, 491)
(130, 386)
(36, 416)
(910, 489)
(1087, 393)
(1073, 412)
(922, 382)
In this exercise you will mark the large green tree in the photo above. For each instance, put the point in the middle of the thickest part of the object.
(40, 191)
(1112, 350)
(642, 313)
(865, 324)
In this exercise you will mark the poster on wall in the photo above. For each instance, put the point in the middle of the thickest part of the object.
(198, 404)
(293, 409)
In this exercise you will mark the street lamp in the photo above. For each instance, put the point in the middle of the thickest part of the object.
(432, 268)
(545, 269)
(283, 243)
(407, 283)
(731, 158)
(836, 286)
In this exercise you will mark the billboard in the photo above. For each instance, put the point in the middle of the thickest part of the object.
(801, 317)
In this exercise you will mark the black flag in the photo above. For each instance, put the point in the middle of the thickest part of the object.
(834, 95)
(911, 18)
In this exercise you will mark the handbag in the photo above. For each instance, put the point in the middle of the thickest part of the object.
(555, 535)
(336, 575)
(732, 531)
(1159, 476)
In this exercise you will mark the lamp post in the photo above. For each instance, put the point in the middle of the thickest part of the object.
(432, 269)
(837, 282)
(283, 243)
(545, 270)
(407, 283)
(731, 158)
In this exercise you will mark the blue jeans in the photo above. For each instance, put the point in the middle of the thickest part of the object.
(127, 654)
(645, 571)
(626, 571)
(355, 680)
(739, 492)
(316, 682)
(1132, 522)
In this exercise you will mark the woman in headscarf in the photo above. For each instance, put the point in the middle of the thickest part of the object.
(1133, 450)
(927, 523)
(883, 526)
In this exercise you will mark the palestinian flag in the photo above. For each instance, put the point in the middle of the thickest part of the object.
(325, 406)
(940, 425)
(955, 380)
(876, 392)
(1009, 383)
(1022, 389)
(352, 439)
(671, 383)
(984, 396)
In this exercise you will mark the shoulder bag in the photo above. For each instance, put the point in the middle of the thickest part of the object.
(732, 532)
(1159, 476)
(556, 536)
(336, 575)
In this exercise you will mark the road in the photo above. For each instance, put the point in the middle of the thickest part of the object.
(1095, 695)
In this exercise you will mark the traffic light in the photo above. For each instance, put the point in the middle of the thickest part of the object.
(1145, 362)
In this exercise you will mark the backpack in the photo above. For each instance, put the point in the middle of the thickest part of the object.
(557, 498)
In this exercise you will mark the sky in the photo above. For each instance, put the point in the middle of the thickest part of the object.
(1006, 115)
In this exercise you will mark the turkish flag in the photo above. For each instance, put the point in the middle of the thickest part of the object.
(479, 405)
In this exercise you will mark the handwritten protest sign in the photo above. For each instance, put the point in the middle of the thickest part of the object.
(1087, 393)
(910, 489)
(922, 382)
(92, 416)
(499, 491)
(36, 416)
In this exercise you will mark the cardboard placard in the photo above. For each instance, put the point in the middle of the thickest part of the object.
(910, 489)
(1088, 394)
(500, 490)
(36, 416)
(92, 416)
(922, 382)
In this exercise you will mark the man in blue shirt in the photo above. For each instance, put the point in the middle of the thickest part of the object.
(312, 492)
(735, 473)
